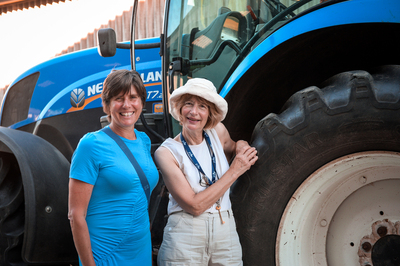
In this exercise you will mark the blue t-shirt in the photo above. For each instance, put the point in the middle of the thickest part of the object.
(117, 215)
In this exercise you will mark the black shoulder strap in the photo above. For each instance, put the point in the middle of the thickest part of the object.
(128, 153)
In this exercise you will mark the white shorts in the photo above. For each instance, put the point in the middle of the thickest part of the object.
(200, 240)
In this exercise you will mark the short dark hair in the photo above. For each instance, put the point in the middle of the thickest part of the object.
(121, 81)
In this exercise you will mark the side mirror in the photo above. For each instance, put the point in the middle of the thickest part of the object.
(107, 41)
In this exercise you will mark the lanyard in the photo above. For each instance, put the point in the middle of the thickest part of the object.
(192, 158)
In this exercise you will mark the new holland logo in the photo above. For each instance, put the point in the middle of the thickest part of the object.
(77, 98)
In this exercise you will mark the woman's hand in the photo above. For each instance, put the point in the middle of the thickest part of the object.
(241, 145)
(246, 156)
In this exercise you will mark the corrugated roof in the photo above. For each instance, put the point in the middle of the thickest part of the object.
(14, 5)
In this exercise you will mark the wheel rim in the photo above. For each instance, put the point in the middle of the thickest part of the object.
(333, 218)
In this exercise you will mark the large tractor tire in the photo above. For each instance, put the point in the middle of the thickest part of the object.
(326, 187)
(12, 210)
(34, 226)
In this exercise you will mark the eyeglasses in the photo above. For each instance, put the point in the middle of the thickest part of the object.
(203, 180)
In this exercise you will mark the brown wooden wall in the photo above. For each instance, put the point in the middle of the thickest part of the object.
(149, 20)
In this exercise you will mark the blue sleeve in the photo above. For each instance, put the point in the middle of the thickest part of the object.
(85, 160)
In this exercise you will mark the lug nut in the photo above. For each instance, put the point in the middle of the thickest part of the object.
(366, 246)
(382, 231)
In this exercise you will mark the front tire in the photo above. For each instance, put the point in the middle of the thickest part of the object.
(356, 114)
(12, 211)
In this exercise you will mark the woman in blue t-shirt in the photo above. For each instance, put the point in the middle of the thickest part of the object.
(108, 207)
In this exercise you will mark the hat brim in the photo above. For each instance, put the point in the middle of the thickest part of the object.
(213, 97)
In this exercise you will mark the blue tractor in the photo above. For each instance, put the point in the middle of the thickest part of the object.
(315, 86)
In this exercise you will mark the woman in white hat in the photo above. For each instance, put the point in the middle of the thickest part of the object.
(201, 229)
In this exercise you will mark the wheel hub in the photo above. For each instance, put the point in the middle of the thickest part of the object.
(344, 214)
(382, 246)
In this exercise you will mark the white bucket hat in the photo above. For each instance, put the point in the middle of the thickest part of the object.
(202, 88)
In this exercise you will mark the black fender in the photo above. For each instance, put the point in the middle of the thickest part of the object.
(44, 171)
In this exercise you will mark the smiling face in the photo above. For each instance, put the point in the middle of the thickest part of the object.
(125, 110)
(194, 114)
(119, 83)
